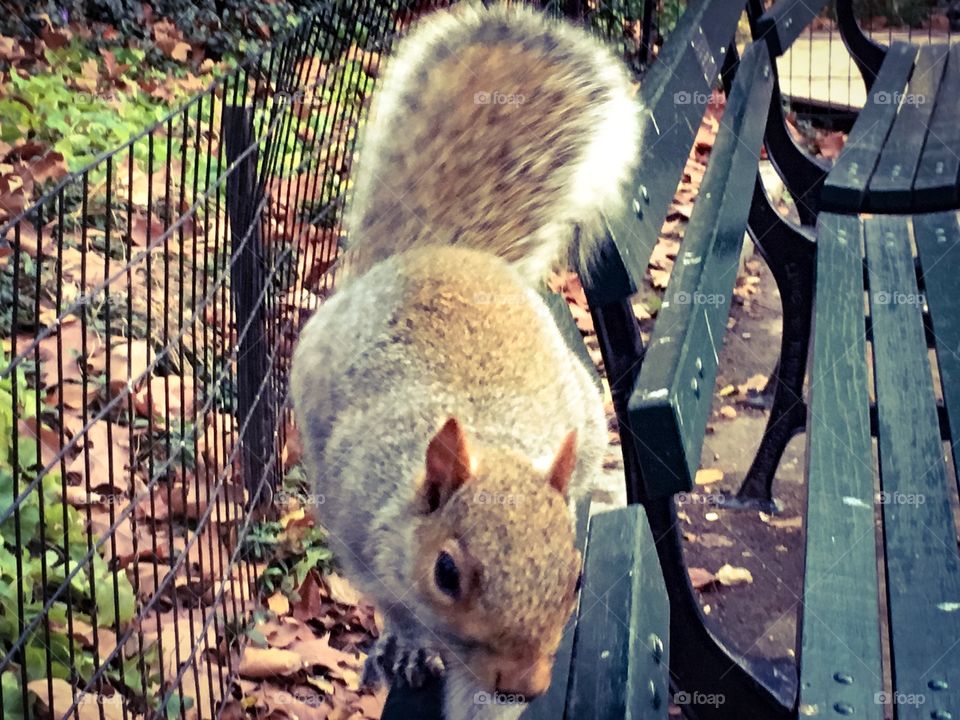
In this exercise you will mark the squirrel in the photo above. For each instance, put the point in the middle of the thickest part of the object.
(445, 421)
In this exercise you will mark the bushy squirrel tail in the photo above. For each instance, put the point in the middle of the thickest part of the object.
(495, 128)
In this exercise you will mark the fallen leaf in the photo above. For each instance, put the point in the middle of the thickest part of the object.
(728, 412)
(729, 575)
(793, 523)
(278, 603)
(714, 540)
(756, 384)
(341, 590)
(700, 578)
(708, 476)
(59, 696)
(268, 662)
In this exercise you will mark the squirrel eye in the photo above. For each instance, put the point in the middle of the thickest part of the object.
(447, 576)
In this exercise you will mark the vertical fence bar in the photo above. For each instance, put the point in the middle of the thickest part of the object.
(244, 194)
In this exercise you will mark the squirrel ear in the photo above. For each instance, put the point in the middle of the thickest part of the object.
(563, 464)
(448, 465)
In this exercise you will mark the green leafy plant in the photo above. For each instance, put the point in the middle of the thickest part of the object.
(43, 540)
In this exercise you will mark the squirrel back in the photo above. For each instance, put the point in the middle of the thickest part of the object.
(444, 418)
(498, 129)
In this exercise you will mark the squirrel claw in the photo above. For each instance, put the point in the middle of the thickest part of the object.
(418, 665)
(391, 659)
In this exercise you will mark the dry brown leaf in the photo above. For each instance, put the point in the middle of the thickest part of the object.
(64, 695)
(792, 523)
(278, 603)
(659, 278)
(708, 476)
(700, 578)
(269, 662)
(50, 166)
(730, 575)
(714, 540)
(756, 383)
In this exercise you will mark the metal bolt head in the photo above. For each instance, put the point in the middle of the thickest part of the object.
(656, 647)
(695, 385)
(938, 684)
(699, 365)
(843, 678)
(941, 715)
(636, 206)
(843, 708)
(644, 194)
(654, 695)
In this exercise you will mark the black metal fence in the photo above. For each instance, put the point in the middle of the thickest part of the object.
(149, 305)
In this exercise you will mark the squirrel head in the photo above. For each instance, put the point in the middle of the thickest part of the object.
(495, 558)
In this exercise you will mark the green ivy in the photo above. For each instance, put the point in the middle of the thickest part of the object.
(46, 554)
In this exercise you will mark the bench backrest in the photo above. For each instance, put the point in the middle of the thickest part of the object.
(671, 401)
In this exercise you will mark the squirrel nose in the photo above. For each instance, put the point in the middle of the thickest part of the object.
(526, 679)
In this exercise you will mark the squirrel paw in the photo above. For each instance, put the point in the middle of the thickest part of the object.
(393, 657)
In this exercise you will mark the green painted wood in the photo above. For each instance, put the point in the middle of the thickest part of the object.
(936, 186)
(550, 706)
(840, 659)
(891, 185)
(620, 664)
(782, 24)
(671, 401)
(846, 184)
(938, 245)
(571, 333)
(674, 95)
(920, 540)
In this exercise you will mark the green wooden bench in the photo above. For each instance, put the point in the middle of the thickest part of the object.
(613, 663)
(879, 632)
(610, 665)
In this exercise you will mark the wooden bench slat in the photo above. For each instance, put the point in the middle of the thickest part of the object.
(923, 571)
(936, 184)
(782, 24)
(846, 185)
(620, 662)
(674, 95)
(891, 186)
(938, 244)
(671, 401)
(840, 660)
(571, 333)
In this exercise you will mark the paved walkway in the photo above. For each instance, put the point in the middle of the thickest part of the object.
(818, 66)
